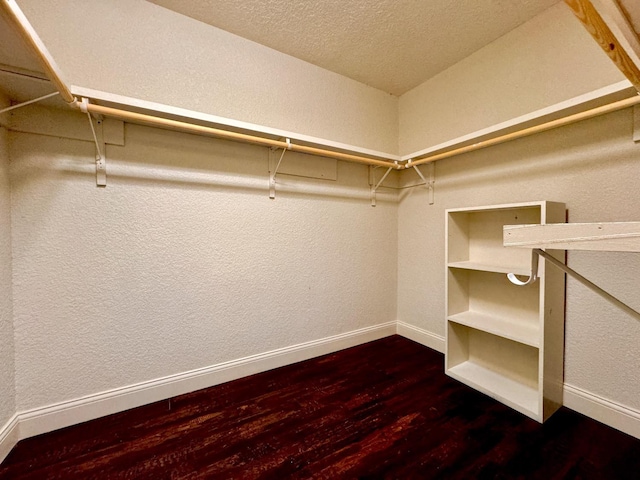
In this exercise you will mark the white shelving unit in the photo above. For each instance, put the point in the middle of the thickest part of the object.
(504, 340)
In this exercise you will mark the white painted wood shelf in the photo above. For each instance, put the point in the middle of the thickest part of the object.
(486, 267)
(609, 237)
(504, 340)
(513, 393)
(521, 332)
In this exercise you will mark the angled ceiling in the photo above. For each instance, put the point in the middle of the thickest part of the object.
(392, 45)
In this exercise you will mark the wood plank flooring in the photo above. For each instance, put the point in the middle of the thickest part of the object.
(380, 410)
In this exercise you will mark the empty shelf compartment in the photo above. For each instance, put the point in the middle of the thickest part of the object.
(496, 366)
(493, 296)
(476, 237)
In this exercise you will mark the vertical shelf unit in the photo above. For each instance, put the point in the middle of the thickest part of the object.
(504, 340)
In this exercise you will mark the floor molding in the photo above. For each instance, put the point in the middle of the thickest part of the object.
(617, 416)
(41, 420)
(423, 337)
(620, 417)
(9, 436)
(45, 419)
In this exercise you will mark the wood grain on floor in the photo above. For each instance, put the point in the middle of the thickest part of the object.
(380, 410)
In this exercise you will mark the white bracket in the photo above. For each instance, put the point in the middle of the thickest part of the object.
(101, 156)
(274, 171)
(533, 276)
(430, 184)
(29, 102)
(98, 138)
(536, 252)
(375, 186)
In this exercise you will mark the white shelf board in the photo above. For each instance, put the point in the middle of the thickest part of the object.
(609, 236)
(518, 331)
(512, 393)
(162, 110)
(485, 267)
(601, 96)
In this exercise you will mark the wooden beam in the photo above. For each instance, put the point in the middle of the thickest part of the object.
(616, 15)
(610, 237)
(600, 31)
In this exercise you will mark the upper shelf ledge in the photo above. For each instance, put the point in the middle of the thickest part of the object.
(610, 237)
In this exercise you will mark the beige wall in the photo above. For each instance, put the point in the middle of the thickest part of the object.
(182, 261)
(141, 50)
(547, 60)
(593, 167)
(7, 367)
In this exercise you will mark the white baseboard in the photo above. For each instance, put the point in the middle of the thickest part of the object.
(45, 419)
(617, 416)
(9, 436)
(620, 417)
(423, 337)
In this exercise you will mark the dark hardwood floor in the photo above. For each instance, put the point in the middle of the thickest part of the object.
(380, 410)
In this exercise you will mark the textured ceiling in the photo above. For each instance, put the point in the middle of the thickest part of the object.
(393, 45)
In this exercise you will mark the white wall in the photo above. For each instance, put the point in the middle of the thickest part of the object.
(138, 49)
(593, 167)
(548, 60)
(7, 367)
(182, 261)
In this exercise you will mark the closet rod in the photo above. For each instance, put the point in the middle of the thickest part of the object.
(576, 117)
(51, 70)
(32, 39)
(228, 135)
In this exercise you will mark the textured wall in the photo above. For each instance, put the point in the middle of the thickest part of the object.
(185, 63)
(547, 60)
(593, 167)
(7, 384)
(182, 261)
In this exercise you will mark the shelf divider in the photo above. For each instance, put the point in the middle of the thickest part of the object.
(518, 331)
(512, 393)
(485, 267)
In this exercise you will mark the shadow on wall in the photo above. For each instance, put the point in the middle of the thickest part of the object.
(571, 150)
(155, 157)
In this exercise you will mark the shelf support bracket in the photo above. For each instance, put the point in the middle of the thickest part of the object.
(29, 102)
(536, 252)
(590, 285)
(430, 184)
(98, 138)
(274, 171)
(375, 186)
